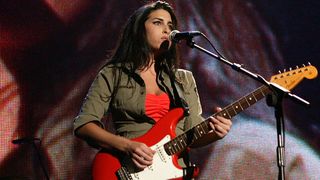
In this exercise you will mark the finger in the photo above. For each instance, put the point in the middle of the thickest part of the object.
(220, 122)
(147, 153)
(220, 135)
(220, 132)
(142, 160)
(216, 109)
(226, 126)
(150, 152)
(146, 156)
(144, 151)
(138, 164)
(216, 120)
(212, 126)
(217, 130)
(224, 120)
(220, 129)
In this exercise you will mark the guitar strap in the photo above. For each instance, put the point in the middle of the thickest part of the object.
(177, 92)
(178, 101)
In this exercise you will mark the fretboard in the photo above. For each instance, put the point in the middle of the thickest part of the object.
(184, 140)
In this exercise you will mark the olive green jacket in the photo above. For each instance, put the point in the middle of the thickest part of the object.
(127, 106)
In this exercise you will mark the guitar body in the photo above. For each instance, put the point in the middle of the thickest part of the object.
(106, 164)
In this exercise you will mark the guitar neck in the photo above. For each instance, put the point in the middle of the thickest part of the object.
(184, 140)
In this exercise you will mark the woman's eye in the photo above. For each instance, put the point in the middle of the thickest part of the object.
(157, 23)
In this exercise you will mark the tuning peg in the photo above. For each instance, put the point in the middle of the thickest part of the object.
(297, 67)
(279, 72)
(290, 69)
(309, 63)
(303, 65)
(284, 70)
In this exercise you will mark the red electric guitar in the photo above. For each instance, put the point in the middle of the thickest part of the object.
(162, 138)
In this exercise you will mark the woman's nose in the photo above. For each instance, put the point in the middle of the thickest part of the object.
(166, 29)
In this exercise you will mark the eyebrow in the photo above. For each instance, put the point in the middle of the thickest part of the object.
(160, 19)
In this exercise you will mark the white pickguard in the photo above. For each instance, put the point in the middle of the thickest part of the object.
(162, 167)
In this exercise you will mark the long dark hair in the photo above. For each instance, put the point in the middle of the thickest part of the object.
(133, 50)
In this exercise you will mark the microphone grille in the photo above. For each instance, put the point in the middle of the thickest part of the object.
(172, 34)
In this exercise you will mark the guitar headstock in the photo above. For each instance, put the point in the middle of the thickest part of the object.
(291, 78)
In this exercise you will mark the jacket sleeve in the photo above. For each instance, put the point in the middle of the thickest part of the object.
(97, 100)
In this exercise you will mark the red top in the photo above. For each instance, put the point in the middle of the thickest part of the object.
(157, 106)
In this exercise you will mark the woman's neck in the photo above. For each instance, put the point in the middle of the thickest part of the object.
(150, 67)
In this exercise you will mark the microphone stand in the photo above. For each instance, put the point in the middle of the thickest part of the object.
(33, 142)
(275, 100)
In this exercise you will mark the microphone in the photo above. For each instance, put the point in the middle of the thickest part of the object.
(176, 35)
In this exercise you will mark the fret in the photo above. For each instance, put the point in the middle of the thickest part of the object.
(228, 110)
(204, 131)
(251, 99)
(247, 101)
(200, 130)
(262, 91)
(175, 148)
(239, 105)
(195, 137)
(243, 103)
(267, 90)
(254, 96)
(205, 127)
(258, 94)
(169, 148)
(197, 130)
(180, 145)
(172, 147)
(185, 139)
(226, 113)
(176, 144)
(235, 112)
(223, 114)
(182, 141)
